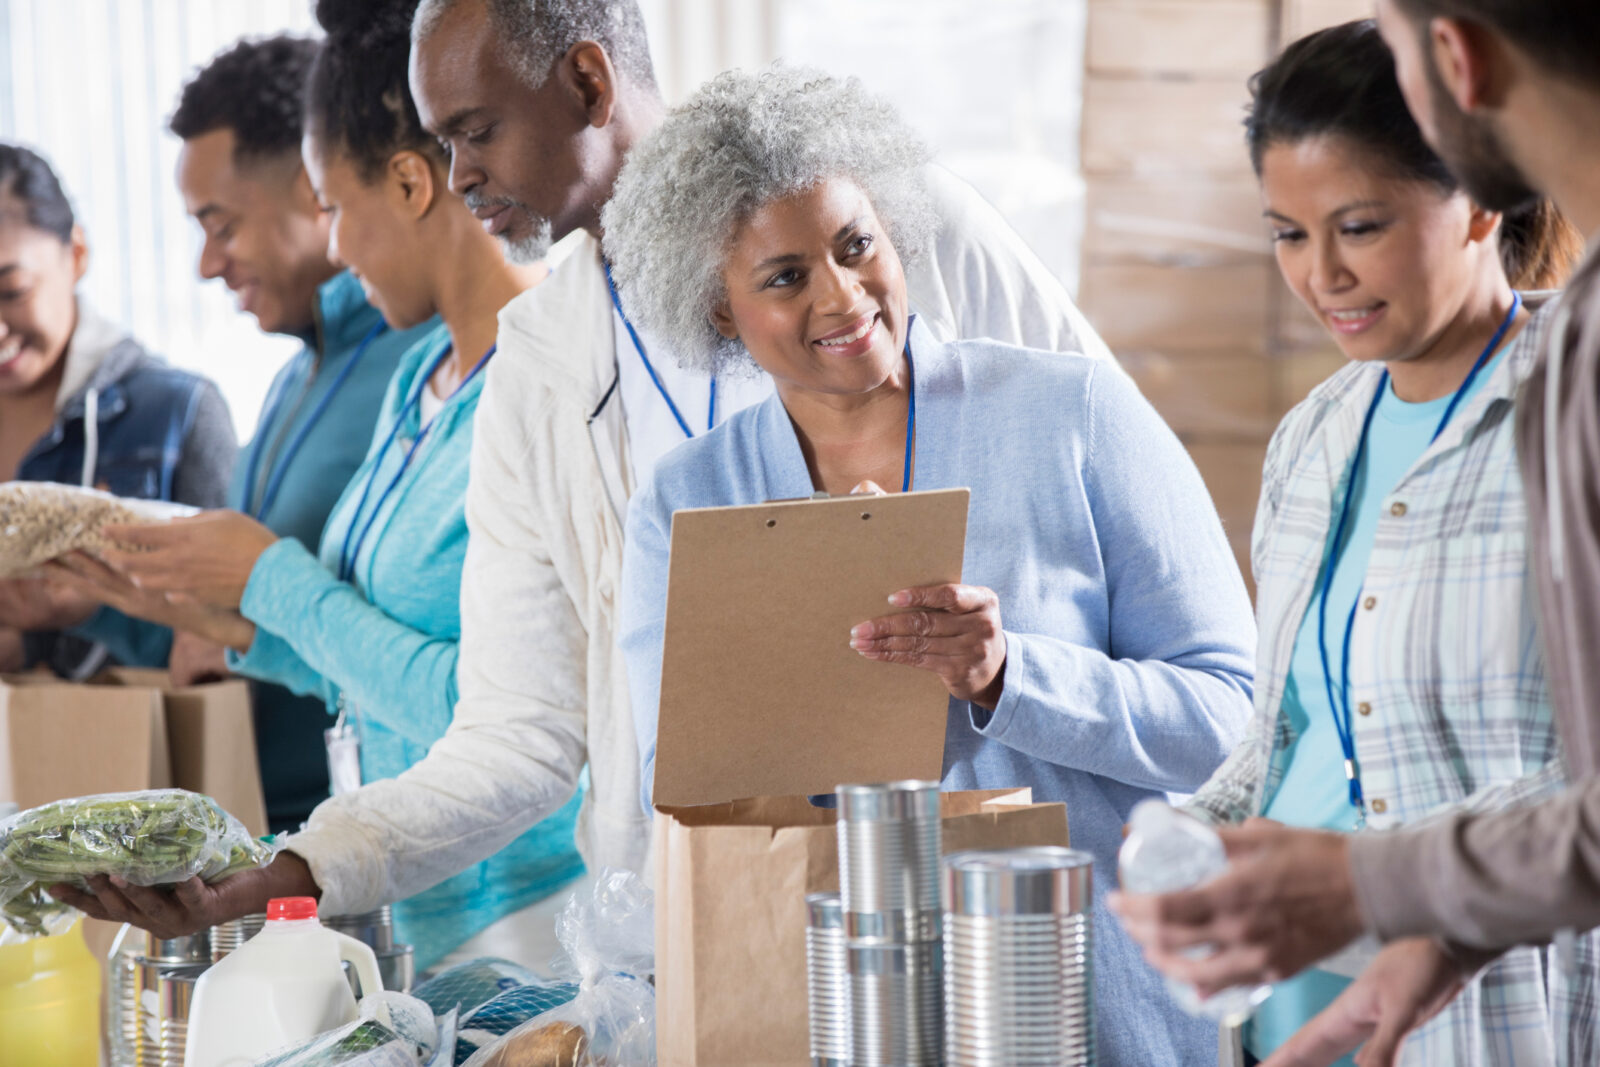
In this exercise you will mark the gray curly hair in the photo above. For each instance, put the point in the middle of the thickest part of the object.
(741, 142)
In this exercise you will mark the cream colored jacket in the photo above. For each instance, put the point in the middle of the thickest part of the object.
(543, 689)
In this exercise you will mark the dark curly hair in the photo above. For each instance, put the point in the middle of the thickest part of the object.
(257, 90)
(358, 101)
(1341, 82)
(27, 178)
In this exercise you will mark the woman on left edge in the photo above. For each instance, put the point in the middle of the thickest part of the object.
(82, 402)
(371, 622)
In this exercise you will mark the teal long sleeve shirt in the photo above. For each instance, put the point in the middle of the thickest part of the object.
(385, 642)
(325, 400)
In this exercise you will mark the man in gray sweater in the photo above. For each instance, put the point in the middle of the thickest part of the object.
(1508, 92)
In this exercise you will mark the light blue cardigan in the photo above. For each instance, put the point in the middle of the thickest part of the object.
(388, 639)
(1129, 637)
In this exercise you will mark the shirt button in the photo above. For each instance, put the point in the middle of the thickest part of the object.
(1370, 603)
(1364, 708)
(1398, 510)
(1379, 806)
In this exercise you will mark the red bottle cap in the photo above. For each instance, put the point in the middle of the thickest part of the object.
(292, 908)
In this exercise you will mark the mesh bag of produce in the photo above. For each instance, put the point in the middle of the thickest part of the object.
(156, 837)
(610, 938)
(489, 1022)
(42, 520)
(469, 985)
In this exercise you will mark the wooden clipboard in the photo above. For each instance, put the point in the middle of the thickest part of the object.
(761, 693)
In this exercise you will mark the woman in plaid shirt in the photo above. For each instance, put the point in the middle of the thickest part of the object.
(1398, 674)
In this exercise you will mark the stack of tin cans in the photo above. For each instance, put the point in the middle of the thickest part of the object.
(893, 922)
(1020, 985)
(827, 981)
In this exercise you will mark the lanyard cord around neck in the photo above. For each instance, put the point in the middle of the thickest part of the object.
(1342, 720)
(644, 357)
(280, 467)
(911, 415)
(348, 553)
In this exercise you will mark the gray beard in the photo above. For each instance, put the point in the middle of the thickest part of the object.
(525, 251)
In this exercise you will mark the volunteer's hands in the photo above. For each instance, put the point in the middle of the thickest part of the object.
(952, 630)
(1286, 901)
(208, 557)
(1405, 985)
(195, 660)
(192, 906)
(39, 603)
(90, 577)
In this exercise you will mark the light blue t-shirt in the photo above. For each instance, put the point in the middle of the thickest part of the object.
(1314, 791)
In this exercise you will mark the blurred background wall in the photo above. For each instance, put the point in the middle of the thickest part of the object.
(1107, 131)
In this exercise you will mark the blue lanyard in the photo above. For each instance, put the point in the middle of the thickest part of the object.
(1342, 721)
(348, 553)
(638, 345)
(911, 414)
(281, 468)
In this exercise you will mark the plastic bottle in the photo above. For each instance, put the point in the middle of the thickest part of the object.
(1167, 850)
(50, 1001)
(282, 986)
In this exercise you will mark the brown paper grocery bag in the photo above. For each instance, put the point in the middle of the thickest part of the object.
(60, 740)
(730, 883)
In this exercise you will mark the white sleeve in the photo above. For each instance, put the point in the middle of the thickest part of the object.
(982, 280)
(516, 746)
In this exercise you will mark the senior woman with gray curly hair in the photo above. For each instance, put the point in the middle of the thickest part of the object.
(1102, 652)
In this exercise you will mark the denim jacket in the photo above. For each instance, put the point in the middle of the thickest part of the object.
(128, 423)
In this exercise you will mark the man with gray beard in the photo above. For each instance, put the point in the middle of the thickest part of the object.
(538, 102)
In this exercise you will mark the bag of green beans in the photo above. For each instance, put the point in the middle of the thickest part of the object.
(156, 837)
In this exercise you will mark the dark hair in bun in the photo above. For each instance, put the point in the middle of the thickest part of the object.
(358, 101)
(1341, 81)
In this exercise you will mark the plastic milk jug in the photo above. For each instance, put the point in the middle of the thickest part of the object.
(50, 1001)
(282, 986)
(1167, 850)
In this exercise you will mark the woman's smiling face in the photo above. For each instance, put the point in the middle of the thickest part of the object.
(39, 273)
(1384, 263)
(816, 292)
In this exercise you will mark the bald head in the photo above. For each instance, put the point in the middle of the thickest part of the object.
(533, 34)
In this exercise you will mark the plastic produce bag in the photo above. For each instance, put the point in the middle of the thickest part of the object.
(42, 520)
(395, 1030)
(156, 837)
(610, 938)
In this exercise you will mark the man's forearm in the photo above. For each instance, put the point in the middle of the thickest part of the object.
(1489, 881)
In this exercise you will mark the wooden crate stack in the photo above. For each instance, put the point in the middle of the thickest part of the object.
(1178, 272)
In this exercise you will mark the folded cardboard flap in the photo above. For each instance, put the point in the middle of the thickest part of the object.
(761, 693)
(60, 740)
(126, 729)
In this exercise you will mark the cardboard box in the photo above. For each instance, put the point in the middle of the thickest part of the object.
(124, 731)
(1225, 307)
(1155, 127)
(1174, 220)
(59, 740)
(1212, 394)
(1204, 38)
(1301, 17)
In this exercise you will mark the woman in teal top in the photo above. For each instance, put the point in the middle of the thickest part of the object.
(371, 621)
(1398, 674)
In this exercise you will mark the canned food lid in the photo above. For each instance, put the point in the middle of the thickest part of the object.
(1021, 881)
(825, 910)
(906, 800)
